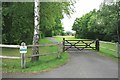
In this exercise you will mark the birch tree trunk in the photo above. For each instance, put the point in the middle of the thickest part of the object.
(35, 49)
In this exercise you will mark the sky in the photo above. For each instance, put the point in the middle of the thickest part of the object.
(81, 7)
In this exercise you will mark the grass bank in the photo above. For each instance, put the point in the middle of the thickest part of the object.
(109, 49)
(45, 63)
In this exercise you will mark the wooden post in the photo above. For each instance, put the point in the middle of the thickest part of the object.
(23, 51)
(63, 44)
(59, 50)
(97, 45)
(117, 49)
(23, 61)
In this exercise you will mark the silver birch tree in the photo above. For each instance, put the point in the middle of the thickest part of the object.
(35, 49)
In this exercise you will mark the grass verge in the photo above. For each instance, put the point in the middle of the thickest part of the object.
(45, 63)
(109, 50)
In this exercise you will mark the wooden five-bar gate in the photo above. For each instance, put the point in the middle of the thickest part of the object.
(80, 44)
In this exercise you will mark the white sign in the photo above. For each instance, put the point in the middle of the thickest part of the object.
(23, 49)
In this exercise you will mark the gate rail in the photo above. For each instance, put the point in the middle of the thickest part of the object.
(81, 47)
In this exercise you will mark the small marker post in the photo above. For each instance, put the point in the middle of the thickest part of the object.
(117, 49)
(23, 51)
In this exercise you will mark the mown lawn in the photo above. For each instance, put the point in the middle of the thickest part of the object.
(60, 38)
(45, 63)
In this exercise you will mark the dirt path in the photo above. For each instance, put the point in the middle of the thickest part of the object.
(53, 40)
(82, 64)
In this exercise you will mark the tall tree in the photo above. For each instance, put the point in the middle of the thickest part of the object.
(17, 24)
(50, 15)
(100, 24)
(35, 49)
(118, 19)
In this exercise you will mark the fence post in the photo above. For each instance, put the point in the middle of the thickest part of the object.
(117, 49)
(23, 51)
(97, 45)
(63, 44)
(23, 62)
(59, 50)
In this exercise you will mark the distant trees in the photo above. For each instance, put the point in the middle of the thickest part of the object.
(18, 20)
(50, 17)
(69, 33)
(102, 24)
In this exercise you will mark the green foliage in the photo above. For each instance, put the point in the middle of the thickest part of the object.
(50, 17)
(68, 33)
(100, 24)
(17, 22)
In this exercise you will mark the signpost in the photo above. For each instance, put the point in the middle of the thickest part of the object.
(23, 51)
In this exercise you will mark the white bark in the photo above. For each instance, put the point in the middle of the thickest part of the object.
(35, 49)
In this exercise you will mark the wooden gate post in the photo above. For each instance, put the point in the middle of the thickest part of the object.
(97, 45)
(63, 44)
